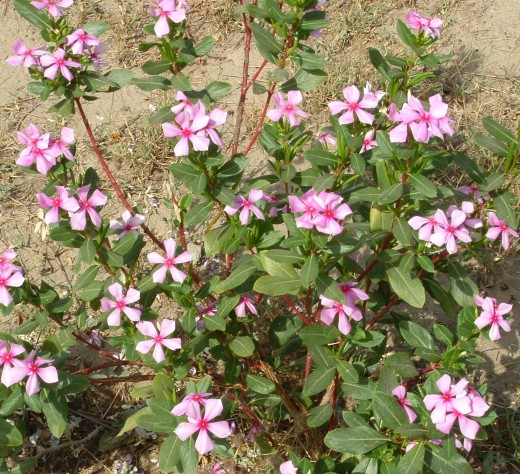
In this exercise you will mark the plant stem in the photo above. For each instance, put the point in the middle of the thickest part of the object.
(395, 299)
(295, 309)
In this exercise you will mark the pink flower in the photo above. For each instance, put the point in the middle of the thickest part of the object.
(94, 54)
(216, 469)
(431, 26)
(60, 145)
(11, 279)
(189, 126)
(201, 423)
(209, 310)
(453, 397)
(186, 406)
(288, 468)
(169, 263)
(79, 38)
(56, 61)
(493, 315)
(78, 220)
(6, 259)
(8, 352)
(168, 9)
(39, 148)
(64, 201)
(478, 406)
(354, 105)
(368, 90)
(289, 108)
(33, 370)
(425, 225)
(247, 206)
(216, 117)
(345, 313)
(130, 223)
(53, 5)
(330, 210)
(468, 427)
(308, 206)
(368, 141)
(449, 232)
(183, 105)
(352, 294)
(472, 191)
(400, 393)
(499, 227)
(326, 138)
(240, 310)
(158, 340)
(25, 55)
(121, 304)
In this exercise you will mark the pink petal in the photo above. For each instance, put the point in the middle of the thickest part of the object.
(185, 430)
(33, 385)
(203, 444)
(158, 354)
(214, 408)
(220, 429)
(173, 343)
(167, 327)
(147, 328)
(144, 346)
(48, 374)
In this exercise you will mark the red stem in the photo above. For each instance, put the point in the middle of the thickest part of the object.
(430, 368)
(258, 130)
(378, 316)
(296, 311)
(106, 365)
(130, 378)
(308, 362)
(256, 74)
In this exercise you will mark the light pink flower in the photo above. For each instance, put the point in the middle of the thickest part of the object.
(288, 468)
(289, 109)
(53, 5)
(188, 127)
(344, 312)
(25, 55)
(453, 397)
(368, 141)
(240, 310)
(201, 423)
(426, 225)
(368, 90)
(478, 405)
(11, 279)
(167, 9)
(39, 148)
(130, 223)
(33, 370)
(121, 304)
(6, 258)
(308, 206)
(400, 393)
(353, 105)
(468, 427)
(217, 117)
(159, 339)
(431, 26)
(79, 39)
(56, 61)
(169, 262)
(64, 200)
(247, 206)
(326, 138)
(94, 54)
(183, 105)
(499, 227)
(186, 406)
(450, 231)
(60, 145)
(78, 220)
(469, 209)
(8, 353)
(493, 315)
(216, 469)
(330, 211)
(351, 293)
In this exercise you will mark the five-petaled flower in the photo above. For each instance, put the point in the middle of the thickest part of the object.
(39, 148)
(54, 6)
(78, 220)
(169, 262)
(189, 125)
(9, 278)
(368, 141)
(25, 55)
(499, 227)
(288, 109)
(244, 303)
(56, 61)
(431, 26)
(167, 9)
(33, 370)
(353, 105)
(79, 39)
(493, 315)
(452, 397)
(64, 200)
(449, 231)
(345, 312)
(8, 353)
(202, 424)
(130, 223)
(187, 404)
(247, 206)
(121, 304)
(6, 258)
(159, 338)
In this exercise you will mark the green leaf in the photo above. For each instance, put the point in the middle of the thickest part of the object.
(401, 364)
(498, 131)
(314, 20)
(278, 285)
(169, 454)
(319, 334)
(242, 346)
(492, 144)
(92, 291)
(238, 276)
(321, 356)
(55, 409)
(218, 90)
(412, 461)
(411, 430)
(408, 38)
(321, 157)
(204, 46)
(492, 182)
(392, 194)
(282, 329)
(96, 28)
(423, 185)
(388, 410)
(12, 402)
(121, 77)
(407, 288)
(152, 83)
(347, 372)
(266, 43)
(87, 252)
(462, 286)
(319, 379)
(441, 462)
(328, 287)
(305, 80)
(63, 108)
(163, 115)
(37, 17)
(9, 434)
(276, 268)
(194, 178)
(284, 256)
(402, 231)
(96, 82)
(358, 440)
(319, 415)
(132, 421)
(368, 193)
(260, 384)
(416, 335)
(308, 60)
(153, 68)
(25, 466)
(503, 204)
(198, 213)
(86, 277)
(378, 61)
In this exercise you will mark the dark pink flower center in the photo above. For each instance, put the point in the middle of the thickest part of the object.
(495, 318)
(288, 109)
(246, 203)
(329, 214)
(158, 339)
(60, 62)
(187, 133)
(57, 201)
(121, 304)
(503, 226)
(354, 106)
(33, 368)
(450, 229)
(425, 116)
(2, 282)
(128, 227)
(447, 397)
(8, 358)
(203, 424)
(36, 150)
(169, 262)
(85, 205)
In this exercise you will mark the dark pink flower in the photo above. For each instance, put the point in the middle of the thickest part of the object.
(121, 303)
(498, 228)
(368, 141)
(64, 200)
(78, 220)
(130, 223)
(308, 206)
(431, 26)
(39, 149)
(493, 315)
(159, 338)
(8, 353)
(186, 406)
(60, 145)
(247, 206)
(169, 262)
(167, 9)
(343, 311)
(330, 211)
(33, 370)
(450, 231)
(353, 105)
(94, 54)
(187, 131)
(288, 109)
(6, 258)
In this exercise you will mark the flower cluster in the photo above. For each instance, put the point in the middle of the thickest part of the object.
(322, 210)
(493, 315)
(430, 26)
(456, 403)
(10, 276)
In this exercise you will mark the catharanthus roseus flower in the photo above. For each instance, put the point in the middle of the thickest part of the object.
(244, 303)
(60, 145)
(54, 6)
(288, 108)
(217, 117)
(499, 227)
(247, 206)
(94, 54)
(368, 141)
(472, 190)
(169, 262)
(216, 469)
(78, 220)
(426, 225)
(183, 105)
(159, 338)
(450, 231)
(368, 90)
(352, 293)
(121, 304)
(187, 404)
(33, 370)
(25, 55)
(209, 310)
(202, 424)
(39, 148)
(188, 127)
(452, 397)
(64, 200)
(56, 61)
(9, 278)
(326, 138)
(308, 206)
(79, 39)
(345, 312)
(353, 105)
(400, 393)
(288, 468)
(431, 26)
(167, 9)
(330, 210)
(8, 353)
(493, 315)
(6, 258)
(130, 223)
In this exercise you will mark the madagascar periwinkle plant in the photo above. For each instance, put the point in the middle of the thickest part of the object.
(302, 316)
